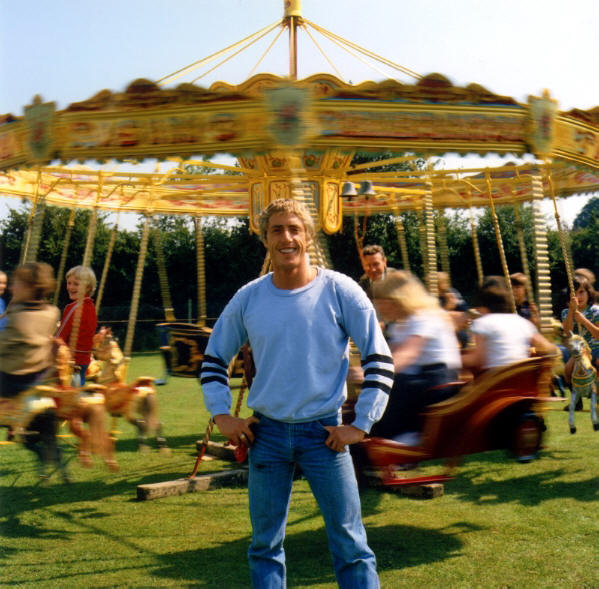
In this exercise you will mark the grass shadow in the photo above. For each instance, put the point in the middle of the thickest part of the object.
(225, 563)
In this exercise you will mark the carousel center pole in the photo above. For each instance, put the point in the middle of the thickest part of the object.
(292, 18)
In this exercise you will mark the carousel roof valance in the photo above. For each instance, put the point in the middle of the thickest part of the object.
(321, 112)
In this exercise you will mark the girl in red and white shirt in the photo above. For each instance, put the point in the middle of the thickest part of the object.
(81, 284)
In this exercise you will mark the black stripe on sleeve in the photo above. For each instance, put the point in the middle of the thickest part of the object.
(374, 384)
(378, 358)
(214, 370)
(214, 360)
(379, 372)
(207, 379)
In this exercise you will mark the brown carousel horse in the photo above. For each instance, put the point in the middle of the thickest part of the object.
(137, 402)
(79, 406)
(32, 415)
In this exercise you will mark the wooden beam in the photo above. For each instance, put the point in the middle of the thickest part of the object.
(198, 483)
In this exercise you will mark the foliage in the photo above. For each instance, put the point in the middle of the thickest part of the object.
(233, 256)
(498, 524)
(587, 213)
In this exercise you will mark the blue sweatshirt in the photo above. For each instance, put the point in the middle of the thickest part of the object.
(300, 343)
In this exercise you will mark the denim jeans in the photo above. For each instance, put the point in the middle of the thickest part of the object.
(272, 457)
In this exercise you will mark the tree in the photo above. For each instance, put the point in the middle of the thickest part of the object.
(588, 211)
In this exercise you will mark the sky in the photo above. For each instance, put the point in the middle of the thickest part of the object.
(68, 50)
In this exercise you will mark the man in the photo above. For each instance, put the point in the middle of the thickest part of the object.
(374, 264)
(298, 320)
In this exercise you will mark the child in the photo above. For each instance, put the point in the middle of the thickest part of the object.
(425, 353)
(26, 354)
(3, 319)
(25, 343)
(81, 283)
(500, 336)
(582, 317)
(524, 307)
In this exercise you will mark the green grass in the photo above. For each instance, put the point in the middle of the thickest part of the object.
(499, 524)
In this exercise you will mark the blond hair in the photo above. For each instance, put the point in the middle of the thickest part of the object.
(282, 205)
(85, 275)
(406, 290)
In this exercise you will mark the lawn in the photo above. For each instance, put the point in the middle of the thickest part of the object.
(499, 523)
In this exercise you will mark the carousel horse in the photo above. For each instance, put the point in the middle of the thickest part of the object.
(136, 402)
(32, 415)
(583, 380)
(31, 419)
(79, 406)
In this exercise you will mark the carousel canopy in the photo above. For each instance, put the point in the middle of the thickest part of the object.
(285, 131)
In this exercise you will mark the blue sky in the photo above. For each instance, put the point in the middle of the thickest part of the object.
(67, 50)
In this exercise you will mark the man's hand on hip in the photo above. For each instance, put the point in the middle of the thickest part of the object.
(237, 430)
(342, 435)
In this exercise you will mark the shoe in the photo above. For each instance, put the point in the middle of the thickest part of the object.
(572, 430)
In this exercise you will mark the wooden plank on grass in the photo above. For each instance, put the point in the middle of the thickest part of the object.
(421, 491)
(198, 483)
(224, 451)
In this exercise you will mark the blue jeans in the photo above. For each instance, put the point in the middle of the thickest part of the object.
(276, 449)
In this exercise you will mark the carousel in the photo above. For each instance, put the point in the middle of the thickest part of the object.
(296, 138)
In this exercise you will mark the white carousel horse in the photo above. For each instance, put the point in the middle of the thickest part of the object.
(583, 380)
(137, 402)
(31, 419)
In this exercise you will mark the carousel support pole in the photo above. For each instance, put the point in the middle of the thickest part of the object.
(300, 193)
(169, 313)
(422, 241)
(476, 248)
(36, 232)
(538, 187)
(93, 223)
(201, 275)
(523, 256)
(443, 247)
(506, 272)
(359, 239)
(25, 249)
(109, 251)
(63, 255)
(91, 236)
(403, 246)
(431, 250)
(36, 221)
(543, 275)
(292, 17)
(143, 250)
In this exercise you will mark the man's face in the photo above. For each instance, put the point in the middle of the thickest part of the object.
(286, 241)
(374, 265)
(2, 283)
